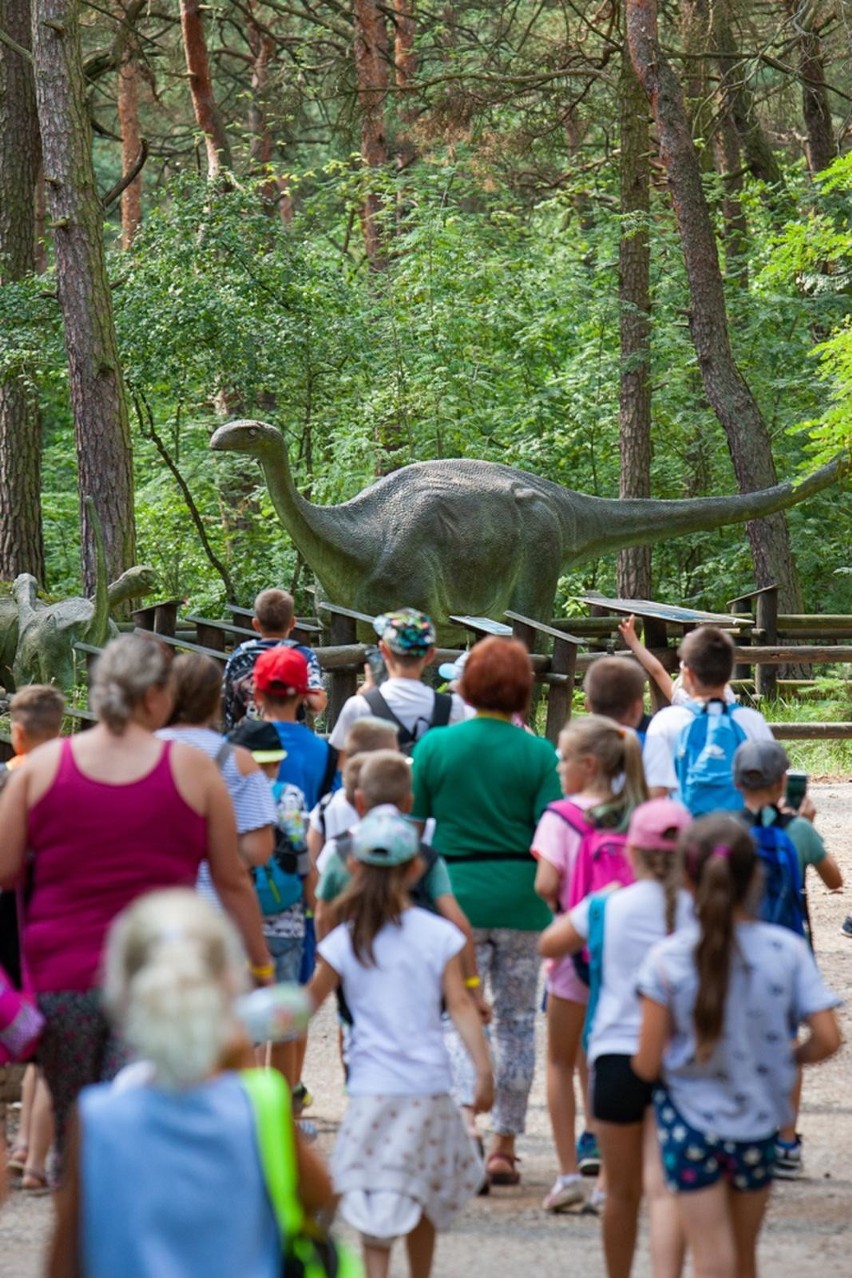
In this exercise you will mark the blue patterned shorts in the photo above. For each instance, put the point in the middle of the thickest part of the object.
(696, 1160)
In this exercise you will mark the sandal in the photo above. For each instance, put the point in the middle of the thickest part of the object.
(17, 1160)
(34, 1183)
(502, 1169)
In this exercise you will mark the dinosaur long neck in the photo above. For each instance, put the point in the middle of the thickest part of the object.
(319, 533)
(604, 524)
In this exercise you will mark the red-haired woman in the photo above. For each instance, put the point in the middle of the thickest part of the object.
(486, 783)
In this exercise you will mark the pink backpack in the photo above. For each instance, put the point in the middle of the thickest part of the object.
(601, 863)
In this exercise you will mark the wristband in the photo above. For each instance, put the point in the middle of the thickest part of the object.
(262, 973)
(472, 982)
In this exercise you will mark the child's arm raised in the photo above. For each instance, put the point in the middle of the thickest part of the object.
(656, 1032)
(466, 1020)
(649, 663)
(823, 1041)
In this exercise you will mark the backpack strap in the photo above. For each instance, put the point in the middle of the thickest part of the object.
(572, 814)
(595, 944)
(441, 710)
(270, 1101)
(329, 774)
(382, 710)
(322, 805)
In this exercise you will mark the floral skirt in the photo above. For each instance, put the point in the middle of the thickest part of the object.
(398, 1158)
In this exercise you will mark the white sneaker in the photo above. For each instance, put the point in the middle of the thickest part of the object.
(567, 1192)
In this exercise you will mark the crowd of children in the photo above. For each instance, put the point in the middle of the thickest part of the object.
(416, 884)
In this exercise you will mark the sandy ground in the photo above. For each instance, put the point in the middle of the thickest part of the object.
(809, 1228)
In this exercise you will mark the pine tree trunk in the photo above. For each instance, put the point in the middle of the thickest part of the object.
(98, 404)
(816, 109)
(21, 545)
(725, 387)
(735, 87)
(201, 88)
(371, 74)
(131, 144)
(634, 562)
(405, 67)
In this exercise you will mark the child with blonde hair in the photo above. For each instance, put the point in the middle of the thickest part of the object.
(600, 769)
(403, 1162)
(719, 1001)
(166, 1177)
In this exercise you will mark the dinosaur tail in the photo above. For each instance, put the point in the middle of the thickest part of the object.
(606, 524)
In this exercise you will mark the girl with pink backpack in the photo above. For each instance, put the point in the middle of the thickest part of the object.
(579, 846)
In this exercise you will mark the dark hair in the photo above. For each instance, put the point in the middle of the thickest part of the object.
(274, 610)
(197, 687)
(38, 709)
(709, 654)
(612, 686)
(720, 860)
(498, 675)
(377, 895)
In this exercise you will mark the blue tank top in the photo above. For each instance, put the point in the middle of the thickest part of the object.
(172, 1185)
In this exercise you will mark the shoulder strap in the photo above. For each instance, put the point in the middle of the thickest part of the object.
(328, 775)
(382, 710)
(571, 814)
(222, 755)
(441, 710)
(270, 1100)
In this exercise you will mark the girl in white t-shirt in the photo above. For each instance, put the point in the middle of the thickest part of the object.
(600, 769)
(721, 1001)
(634, 919)
(403, 1162)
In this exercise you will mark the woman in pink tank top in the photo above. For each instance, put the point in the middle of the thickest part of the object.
(105, 817)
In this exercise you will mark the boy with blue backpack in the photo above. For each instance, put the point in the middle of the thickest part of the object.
(689, 749)
(786, 844)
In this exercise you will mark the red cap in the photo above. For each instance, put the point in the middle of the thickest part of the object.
(281, 671)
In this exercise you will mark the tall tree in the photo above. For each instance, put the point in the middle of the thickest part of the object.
(724, 385)
(21, 545)
(816, 109)
(207, 113)
(634, 273)
(98, 403)
(372, 80)
(131, 144)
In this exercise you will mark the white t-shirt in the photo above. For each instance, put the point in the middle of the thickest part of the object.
(661, 739)
(634, 920)
(743, 1091)
(410, 700)
(397, 1046)
(339, 816)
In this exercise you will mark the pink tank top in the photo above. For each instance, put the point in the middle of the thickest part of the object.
(96, 847)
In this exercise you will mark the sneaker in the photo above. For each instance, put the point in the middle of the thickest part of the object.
(588, 1154)
(302, 1098)
(846, 926)
(308, 1129)
(567, 1192)
(595, 1204)
(788, 1159)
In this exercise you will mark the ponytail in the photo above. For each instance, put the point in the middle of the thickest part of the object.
(618, 754)
(720, 861)
(665, 868)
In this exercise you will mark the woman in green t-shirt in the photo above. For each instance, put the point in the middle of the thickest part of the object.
(486, 783)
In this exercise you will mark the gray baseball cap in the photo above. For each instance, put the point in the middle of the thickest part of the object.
(758, 764)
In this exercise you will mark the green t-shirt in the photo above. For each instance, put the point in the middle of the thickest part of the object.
(805, 839)
(486, 783)
(335, 877)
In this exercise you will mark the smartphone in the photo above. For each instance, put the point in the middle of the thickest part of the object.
(797, 785)
(376, 662)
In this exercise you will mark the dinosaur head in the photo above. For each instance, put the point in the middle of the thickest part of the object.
(246, 436)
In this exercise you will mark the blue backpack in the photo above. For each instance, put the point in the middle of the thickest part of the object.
(279, 883)
(783, 901)
(704, 760)
(595, 944)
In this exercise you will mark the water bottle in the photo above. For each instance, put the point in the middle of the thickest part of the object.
(274, 1013)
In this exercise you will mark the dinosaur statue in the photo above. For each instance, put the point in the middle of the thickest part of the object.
(46, 633)
(475, 537)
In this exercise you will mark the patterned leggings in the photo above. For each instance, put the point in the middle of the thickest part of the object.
(77, 1048)
(508, 963)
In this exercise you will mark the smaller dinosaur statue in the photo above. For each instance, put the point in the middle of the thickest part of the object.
(467, 536)
(46, 633)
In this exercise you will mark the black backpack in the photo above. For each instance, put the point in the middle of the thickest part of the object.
(441, 711)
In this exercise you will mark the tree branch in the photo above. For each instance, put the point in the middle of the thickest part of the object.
(15, 47)
(133, 172)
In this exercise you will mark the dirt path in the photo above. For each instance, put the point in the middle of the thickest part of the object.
(809, 1230)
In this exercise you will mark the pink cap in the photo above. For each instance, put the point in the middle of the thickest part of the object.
(656, 825)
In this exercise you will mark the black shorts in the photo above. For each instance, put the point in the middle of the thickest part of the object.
(619, 1095)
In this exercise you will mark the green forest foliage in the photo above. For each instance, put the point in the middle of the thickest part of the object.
(493, 334)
